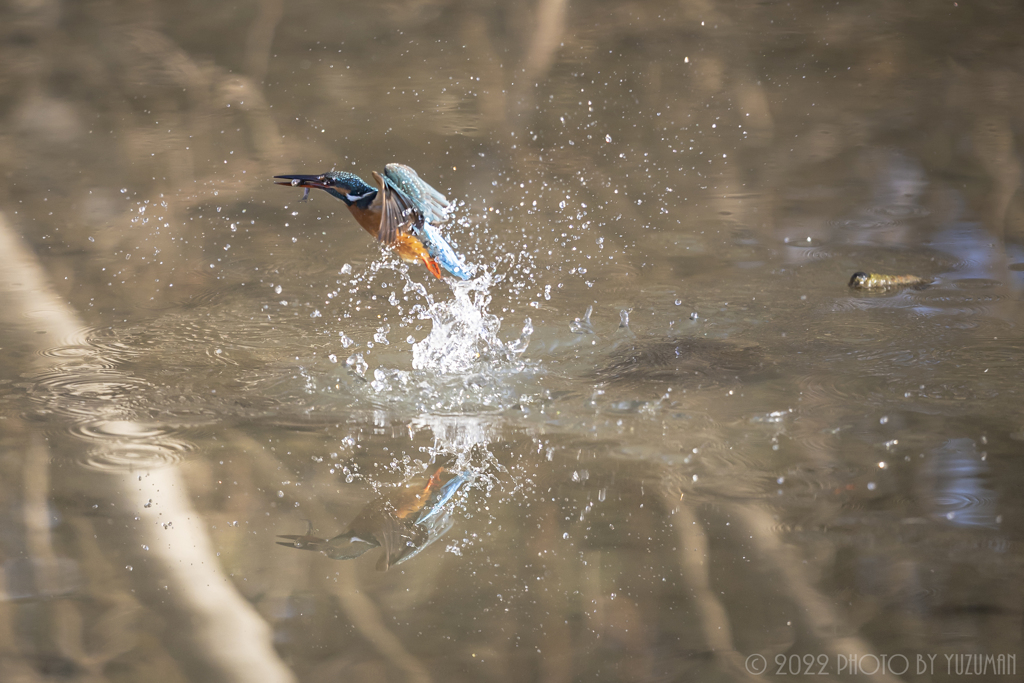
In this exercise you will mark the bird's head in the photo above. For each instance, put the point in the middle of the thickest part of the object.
(348, 187)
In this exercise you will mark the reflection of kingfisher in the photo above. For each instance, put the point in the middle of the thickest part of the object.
(404, 524)
(400, 214)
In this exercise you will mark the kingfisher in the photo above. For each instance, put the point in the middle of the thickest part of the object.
(404, 524)
(400, 213)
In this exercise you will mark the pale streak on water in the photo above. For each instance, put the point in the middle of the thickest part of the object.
(685, 441)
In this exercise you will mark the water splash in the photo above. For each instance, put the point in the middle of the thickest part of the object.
(464, 333)
(457, 435)
(583, 325)
(463, 442)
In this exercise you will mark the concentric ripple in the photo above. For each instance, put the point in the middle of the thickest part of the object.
(67, 352)
(115, 430)
(87, 392)
(127, 456)
(128, 445)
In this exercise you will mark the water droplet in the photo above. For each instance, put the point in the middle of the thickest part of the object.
(356, 363)
(624, 319)
(583, 325)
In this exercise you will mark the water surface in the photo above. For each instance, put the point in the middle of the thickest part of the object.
(689, 450)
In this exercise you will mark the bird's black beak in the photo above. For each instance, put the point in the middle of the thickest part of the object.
(301, 181)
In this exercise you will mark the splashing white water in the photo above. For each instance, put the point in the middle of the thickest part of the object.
(457, 434)
(464, 333)
(463, 442)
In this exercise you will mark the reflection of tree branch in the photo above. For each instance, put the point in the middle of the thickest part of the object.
(824, 625)
(231, 636)
(66, 622)
(695, 564)
(264, 135)
(556, 665)
(261, 38)
(542, 50)
(28, 301)
(223, 634)
(993, 140)
(114, 631)
(540, 54)
(365, 616)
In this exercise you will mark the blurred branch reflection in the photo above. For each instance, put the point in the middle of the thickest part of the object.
(216, 631)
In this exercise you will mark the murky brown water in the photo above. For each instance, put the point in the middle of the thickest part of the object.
(675, 444)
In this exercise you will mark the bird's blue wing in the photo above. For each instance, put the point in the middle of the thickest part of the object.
(430, 203)
(441, 251)
(406, 190)
(436, 517)
(399, 214)
(435, 533)
(439, 504)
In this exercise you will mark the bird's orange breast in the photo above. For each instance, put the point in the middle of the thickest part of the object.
(409, 247)
(413, 500)
(368, 218)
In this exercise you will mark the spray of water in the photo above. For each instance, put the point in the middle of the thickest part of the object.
(461, 378)
(464, 333)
